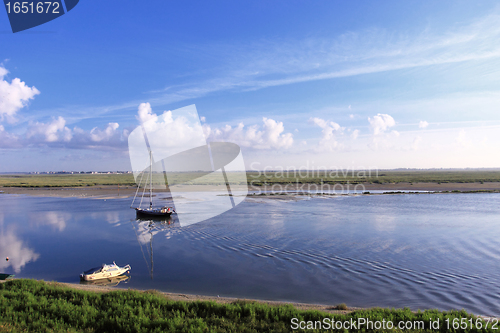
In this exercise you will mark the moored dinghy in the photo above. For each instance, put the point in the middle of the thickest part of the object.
(104, 272)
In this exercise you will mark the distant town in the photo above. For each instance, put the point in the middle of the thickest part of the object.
(70, 172)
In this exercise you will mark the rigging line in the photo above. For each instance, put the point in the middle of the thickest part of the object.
(151, 252)
(144, 191)
(137, 191)
(151, 179)
(140, 245)
(228, 187)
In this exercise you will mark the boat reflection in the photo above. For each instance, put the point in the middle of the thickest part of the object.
(109, 282)
(146, 228)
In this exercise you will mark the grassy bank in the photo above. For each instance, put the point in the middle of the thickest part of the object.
(261, 178)
(36, 306)
(373, 176)
(66, 180)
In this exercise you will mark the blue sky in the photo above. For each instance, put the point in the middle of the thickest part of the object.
(320, 84)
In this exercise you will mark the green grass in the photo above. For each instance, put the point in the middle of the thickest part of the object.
(66, 180)
(260, 178)
(36, 306)
(373, 176)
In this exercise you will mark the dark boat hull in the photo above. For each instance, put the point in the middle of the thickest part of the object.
(5, 276)
(145, 212)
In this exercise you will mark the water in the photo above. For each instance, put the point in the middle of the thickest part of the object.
(420, 251)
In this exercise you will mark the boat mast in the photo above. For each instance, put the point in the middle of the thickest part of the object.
(150, 179)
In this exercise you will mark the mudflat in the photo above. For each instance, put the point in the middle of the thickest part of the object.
(114, 191)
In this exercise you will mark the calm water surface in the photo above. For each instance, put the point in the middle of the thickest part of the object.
(421, 251)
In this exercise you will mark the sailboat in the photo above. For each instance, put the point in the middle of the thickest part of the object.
(150, 211)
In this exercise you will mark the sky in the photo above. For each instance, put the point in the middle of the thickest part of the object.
(296, 84)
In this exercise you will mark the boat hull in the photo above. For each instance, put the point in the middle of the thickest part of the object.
(5, 276)
(107, 272)
(154, 212)
(112, 281)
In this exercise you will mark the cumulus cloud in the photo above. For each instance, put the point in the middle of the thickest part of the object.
(13, 96)
(98, 135)
(53, 131)
(380, 123)
(169, 133)
(329, 130)
(145, 113)
(355, 134)
(423, 124)
(268, 136)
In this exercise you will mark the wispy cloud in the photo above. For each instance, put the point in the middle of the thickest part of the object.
(274, 63)
(270, 63)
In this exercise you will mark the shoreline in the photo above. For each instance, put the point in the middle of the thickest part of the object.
(331, 309)
(221, 300)
(117, 192)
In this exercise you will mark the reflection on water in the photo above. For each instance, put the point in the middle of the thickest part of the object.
(54, 219)
(13, 248)
(19, 254)
(421, 251)
(146, 228)
(108, 282)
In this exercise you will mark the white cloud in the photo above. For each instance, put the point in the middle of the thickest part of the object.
(423, 124)
(355, 134)
(329, 129)
(170, 132)
(13, 96)
(56, 134)
(54, 131)
(203, 119)
(98, 135)
(145, 113)
(380, 123)
(271, 136)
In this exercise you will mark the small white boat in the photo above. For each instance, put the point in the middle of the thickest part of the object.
(104, 272)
